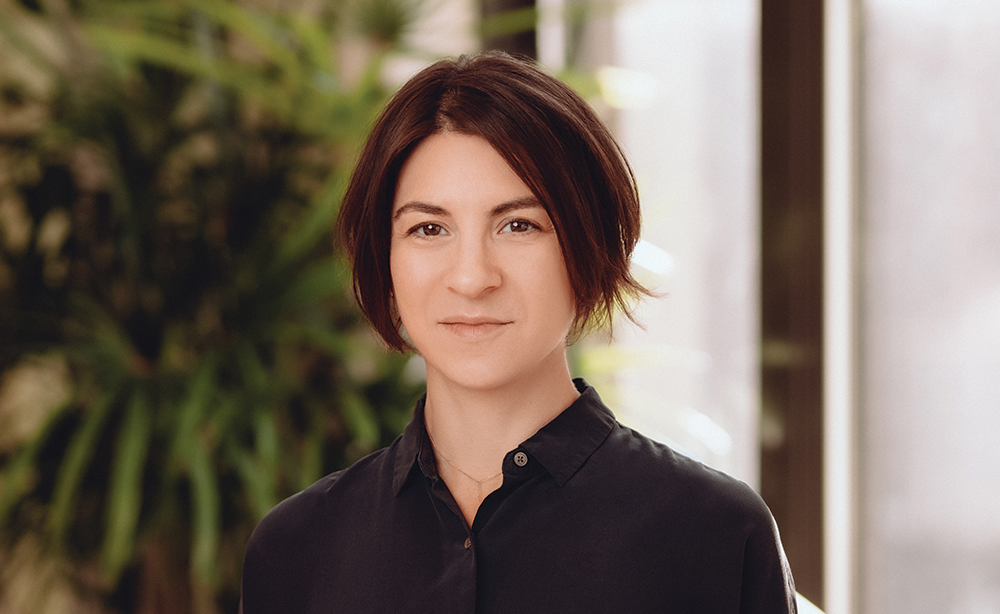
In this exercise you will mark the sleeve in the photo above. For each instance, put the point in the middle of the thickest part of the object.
(767, 586)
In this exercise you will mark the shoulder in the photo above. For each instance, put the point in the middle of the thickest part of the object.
(686, 511)
(348, 487)
(668, 479)
(708, 511)
(626, 464)
(295, 527)
(300, 536)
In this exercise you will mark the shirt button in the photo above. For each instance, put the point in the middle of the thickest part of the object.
(468, 543)
(520, 459)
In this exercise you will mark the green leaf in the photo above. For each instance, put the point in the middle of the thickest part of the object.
(228, 412)
(262, 32)
(386, 21)
(509, 22)
(192, 411)
(14, 477)
(206, 512)
(125, 497)
(254, 374)
(259, 470)
(259, 484)
(314, 225)
(320, 336)
(267, 443)
(170, 53)
(314, 41)
(360, 420)
(78, 456)
(311, 463)
(96, 339)
(319, 281)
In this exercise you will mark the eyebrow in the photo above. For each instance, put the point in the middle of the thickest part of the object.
(528, 202)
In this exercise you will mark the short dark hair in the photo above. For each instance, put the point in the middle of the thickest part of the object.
(550, 137)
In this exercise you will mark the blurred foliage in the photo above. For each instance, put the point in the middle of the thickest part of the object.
(178, 343)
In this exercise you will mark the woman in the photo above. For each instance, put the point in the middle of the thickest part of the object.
(490, 219)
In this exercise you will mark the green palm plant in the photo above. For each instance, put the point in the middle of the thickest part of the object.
(173, 205)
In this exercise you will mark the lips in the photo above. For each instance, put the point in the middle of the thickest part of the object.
(473, 320)
(474, 327)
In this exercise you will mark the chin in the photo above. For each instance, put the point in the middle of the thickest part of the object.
(487, 378)
(473, 373)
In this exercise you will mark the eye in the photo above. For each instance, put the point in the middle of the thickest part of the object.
(427, 230)
(519, 226)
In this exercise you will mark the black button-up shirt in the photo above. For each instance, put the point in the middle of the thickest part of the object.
(591, 517)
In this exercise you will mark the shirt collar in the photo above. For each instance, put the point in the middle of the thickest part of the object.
(414, 447)
(561, 446)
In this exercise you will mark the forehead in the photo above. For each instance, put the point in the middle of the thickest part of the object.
(449, 169)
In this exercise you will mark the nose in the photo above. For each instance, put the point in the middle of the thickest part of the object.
(475, 270)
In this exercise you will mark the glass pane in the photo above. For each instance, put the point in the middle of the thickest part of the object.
(931, 308)
(684, 79)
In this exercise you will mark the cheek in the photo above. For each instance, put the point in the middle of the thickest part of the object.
(553, 286)
(409, 281)
(398, 271)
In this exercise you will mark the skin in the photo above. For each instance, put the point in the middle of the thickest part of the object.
(483, 293)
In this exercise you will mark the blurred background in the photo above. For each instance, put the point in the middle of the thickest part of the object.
(179, 350)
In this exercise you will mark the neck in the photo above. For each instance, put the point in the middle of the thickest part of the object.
(475, 428)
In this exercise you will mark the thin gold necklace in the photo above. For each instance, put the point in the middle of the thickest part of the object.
(459, 469)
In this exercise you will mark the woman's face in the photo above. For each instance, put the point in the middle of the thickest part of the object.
(478, 275)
